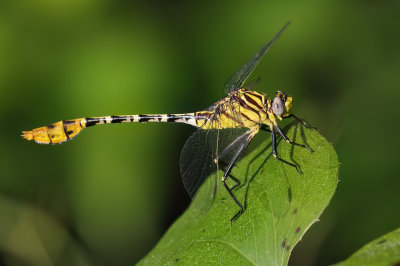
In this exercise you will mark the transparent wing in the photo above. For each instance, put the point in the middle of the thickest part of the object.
(202, 155)
(251, 85)
(197, 160)
(239, 77)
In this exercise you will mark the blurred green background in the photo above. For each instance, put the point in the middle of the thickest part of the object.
(106, 197)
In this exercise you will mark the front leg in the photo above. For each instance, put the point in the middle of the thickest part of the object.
(300, 121)
(289, 141)
(275, 152)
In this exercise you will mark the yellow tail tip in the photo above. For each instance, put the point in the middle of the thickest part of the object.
(27, 135)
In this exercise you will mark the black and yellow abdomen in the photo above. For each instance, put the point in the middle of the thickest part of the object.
(56, 133)
(65, 130)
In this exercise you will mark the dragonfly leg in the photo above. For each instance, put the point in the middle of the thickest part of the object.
(289, 141)
(227, 173)
(236, 180)
(275, 153)
(307, 125)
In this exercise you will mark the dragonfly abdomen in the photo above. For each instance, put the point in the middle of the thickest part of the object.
(57, 132)
(166, 118)
(65, 130)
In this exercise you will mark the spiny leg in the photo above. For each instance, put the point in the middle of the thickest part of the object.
(248, 136)
(225, 176)
(227, 150)
(289, 141)
(264, 128)
(301, 121)
(236, 180)
(223, 167)
(275, 153)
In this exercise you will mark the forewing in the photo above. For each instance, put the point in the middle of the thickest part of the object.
(239, 77)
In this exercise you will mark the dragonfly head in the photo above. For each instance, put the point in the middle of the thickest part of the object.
(281, 104)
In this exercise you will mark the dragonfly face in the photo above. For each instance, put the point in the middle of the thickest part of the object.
(281, 104)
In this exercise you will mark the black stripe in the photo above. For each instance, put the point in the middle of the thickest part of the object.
(90, 121)
(65, 130)
(144, 118)
(68, 122)
(48, 135)
(202, 116)
(245, 106)
(172, 118)
(256, 95)
(251, 100)
(245, 116)
(117, 119)
(233, 118)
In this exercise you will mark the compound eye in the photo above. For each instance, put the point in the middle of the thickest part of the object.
(277, 106)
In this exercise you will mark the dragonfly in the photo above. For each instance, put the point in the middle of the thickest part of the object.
(225, 129)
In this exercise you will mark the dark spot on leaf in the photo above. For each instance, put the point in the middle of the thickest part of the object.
(283, 243)
(295, 211)
(297, 229)
(290, 194)
(176, 260)
(381, 242)
(287, 247)
(204, 230)
(223, 201)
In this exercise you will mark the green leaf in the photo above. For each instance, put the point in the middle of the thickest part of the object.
(280, 206)
(382, 251)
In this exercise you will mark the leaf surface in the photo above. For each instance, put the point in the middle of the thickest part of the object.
(280, 206)
(382, 251)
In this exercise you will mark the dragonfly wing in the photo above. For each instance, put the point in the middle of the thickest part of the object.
(200, 159)
(237, 80)
(229, 150)
(197, 160)
(251, 85)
